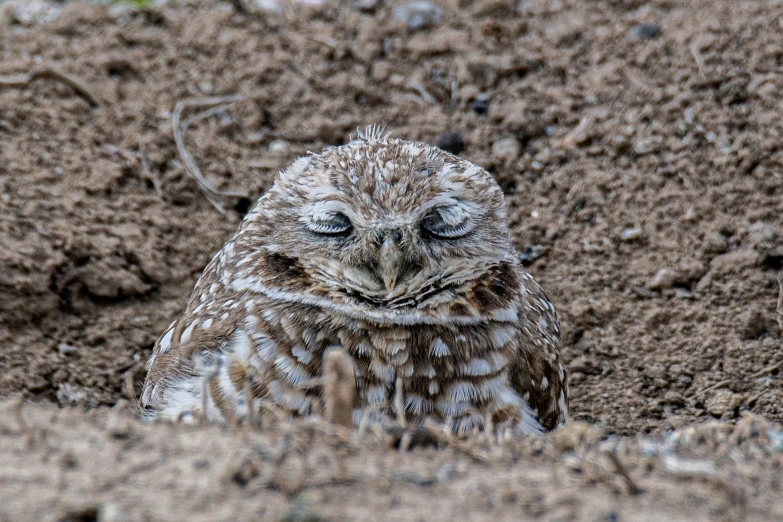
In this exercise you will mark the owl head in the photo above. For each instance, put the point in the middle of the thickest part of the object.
(379, 223)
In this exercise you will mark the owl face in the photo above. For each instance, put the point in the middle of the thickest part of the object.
(385, 222)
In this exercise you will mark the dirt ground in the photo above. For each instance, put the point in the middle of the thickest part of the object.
(638, 144)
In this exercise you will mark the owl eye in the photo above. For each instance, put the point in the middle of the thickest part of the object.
(332, 224)
(446, 224)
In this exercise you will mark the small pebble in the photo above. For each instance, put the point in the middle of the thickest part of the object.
(66, 349)
(270, 6)
(530, 253)
(665, 278)
(416, 15)
(480, 104)
(366, 6)
(644, 31)
(278, 148)
(631, 234)
(506, 150)
(450, 142)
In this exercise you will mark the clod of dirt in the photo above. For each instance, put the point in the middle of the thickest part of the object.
(450, 142)
(722, 402)
(754, 322)
(506, 150)
(245, 473)
(735, 261)
(571, 435)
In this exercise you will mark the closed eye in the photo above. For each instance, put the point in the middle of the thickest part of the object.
(440, 223)
(331, 224)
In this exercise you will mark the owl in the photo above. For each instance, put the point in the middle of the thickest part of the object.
(396, 253)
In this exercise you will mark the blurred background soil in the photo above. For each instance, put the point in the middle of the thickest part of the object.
(637, 142)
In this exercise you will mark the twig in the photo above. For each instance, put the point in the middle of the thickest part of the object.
(710, 388)
(769, 369)
(368, 411)
(752, 400)
(130, 391)
(179, 127)
(580, 134)
(49, 71)
(426, 96)
(633, 488)
(23, 427)
(339, 387)
(763, 69)
(441, 435)
(696, 53)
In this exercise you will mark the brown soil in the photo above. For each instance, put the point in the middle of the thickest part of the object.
(642, 174)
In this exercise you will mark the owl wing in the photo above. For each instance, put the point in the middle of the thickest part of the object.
(233, 346)
(194, 354)
(539, 375)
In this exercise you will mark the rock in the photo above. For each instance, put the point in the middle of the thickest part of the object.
(416, 15)
(111, 512)
(644, 31)
(366, 6)
(450, 142)
(279, 148)
(665, 278)
(723, 401)
(530, 253)
(66, 349)
(631, 234)
(506, 150)
(31, 12)
(270, 6)
(673, 397)
(480, 104)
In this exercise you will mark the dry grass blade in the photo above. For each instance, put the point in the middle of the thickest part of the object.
(779, 309)
(633, 488)
(49, 71)
(399, 403)
(215, 105)
(130, 391)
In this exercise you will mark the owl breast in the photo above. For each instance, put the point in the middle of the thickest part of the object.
(465, 376)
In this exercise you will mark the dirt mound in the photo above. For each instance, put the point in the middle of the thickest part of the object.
(118, 469)
(637, 143)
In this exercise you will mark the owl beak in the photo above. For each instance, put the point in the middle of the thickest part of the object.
(389, 262)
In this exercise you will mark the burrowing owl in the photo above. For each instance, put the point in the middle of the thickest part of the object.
(399, 254)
